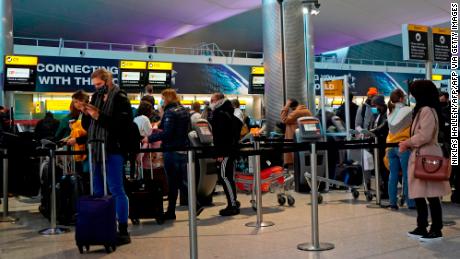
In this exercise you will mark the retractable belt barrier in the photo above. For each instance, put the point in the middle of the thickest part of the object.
(267, 146)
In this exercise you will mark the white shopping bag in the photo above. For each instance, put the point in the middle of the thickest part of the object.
(368, 161)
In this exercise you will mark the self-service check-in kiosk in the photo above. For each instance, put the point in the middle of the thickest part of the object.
(201, 135)
(309, 130)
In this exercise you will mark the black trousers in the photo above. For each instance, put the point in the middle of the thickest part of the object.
(227, 177)
(435, 210)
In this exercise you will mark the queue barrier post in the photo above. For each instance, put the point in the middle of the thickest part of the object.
(193, 237)
(378, 202)
(315, 245)
(259, 223)
(5, 217)
(53, 229)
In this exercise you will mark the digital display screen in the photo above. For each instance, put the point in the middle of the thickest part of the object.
(258, 80)
(130, 76)
(157, 76)
(309, 127)
(14, 72)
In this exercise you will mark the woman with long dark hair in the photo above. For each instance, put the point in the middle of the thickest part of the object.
(426, 123)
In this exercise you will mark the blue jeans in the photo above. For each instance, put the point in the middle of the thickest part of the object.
(176, 171)
(114, 165)
(398, 162)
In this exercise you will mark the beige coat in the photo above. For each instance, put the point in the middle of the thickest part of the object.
(290, 119)
(423, 129)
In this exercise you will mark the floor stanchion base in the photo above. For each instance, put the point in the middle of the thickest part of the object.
(53, 231)
(8, 219)
(311, 247)
(262, 224)
(376, 206)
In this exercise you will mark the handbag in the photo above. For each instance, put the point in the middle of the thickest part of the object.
(429, 167)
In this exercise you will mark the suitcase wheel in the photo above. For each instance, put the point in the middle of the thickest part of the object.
(114, 248)
(160, 220)
(135, 221)
(355, 194)
(290, 200)
(369, 196)
(80, 249)
(87, 248)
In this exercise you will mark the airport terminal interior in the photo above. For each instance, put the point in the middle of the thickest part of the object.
(229, 129)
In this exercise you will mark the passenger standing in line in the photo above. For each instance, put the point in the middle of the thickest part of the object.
(289, 115)
(47, 127)
(427, 120)
(226, 130)
(240, 115)
(353, 111)
(399, 121)
(107, 118)
(364, 116)
(380, 128)
(195, 114)
(173, 133)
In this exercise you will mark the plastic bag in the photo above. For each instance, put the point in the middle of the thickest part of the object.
(368, 161)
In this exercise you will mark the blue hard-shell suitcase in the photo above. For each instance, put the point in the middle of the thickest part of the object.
(96, 217)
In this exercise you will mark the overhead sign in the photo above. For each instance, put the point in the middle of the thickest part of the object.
(21, 60)
(20, 73)
(129, 64)
(132, 75)
(257, 81)
(333, 88)
(159, 75)
(63, 74)
(160, 66)
(441, 44)
(415, 42)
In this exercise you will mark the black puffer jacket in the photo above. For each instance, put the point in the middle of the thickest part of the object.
(226, 127)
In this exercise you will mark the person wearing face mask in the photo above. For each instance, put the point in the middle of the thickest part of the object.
(173, 133)
(364, 115)
(399, 121)
(380, 128)
(226, 129)
(107, 117)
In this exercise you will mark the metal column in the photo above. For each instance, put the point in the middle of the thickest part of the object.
(5, 217)
(309, 56)
(6, 38)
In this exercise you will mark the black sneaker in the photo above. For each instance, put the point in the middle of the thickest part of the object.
(229, 211)
(431, 236)
(417, 233)
(394, 207)
(199, 209)
(169, 216)
(123, 239)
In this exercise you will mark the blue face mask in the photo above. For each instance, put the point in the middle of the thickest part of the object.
(162, 102)
(374, 110)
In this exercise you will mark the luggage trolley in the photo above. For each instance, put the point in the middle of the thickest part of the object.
(206, 168)
(309, 129)
(273, 178)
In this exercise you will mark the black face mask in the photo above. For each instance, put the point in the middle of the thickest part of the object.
(444, 104)
(102, 90)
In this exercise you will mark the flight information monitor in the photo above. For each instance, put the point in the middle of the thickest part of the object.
(20, 73)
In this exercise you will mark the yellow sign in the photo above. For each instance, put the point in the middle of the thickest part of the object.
(445, 31)
(333, 88)
(436, 77)
(38, 107)
(257, 70)
(414, 27)
(21, 60)
(129, 64)
(160, 66)
(58, 105)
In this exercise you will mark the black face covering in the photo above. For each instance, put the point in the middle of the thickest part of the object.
(444, 104)
(102, 90)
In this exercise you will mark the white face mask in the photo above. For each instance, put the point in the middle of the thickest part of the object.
(213, 106)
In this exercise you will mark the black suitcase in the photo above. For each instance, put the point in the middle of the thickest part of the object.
(145, 198)
(96, 217)
(349, 174)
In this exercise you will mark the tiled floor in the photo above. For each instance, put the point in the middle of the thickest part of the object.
(356, 231)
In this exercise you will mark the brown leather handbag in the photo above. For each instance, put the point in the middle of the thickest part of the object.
(429, 167)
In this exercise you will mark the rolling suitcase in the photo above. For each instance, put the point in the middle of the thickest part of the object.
(145, 198)
(96, 217)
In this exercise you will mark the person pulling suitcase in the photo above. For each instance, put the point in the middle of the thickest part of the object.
(107, 117)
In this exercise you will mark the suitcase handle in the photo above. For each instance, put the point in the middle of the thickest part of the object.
(90, 160)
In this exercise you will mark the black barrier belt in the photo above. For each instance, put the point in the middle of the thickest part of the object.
(244, 149)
